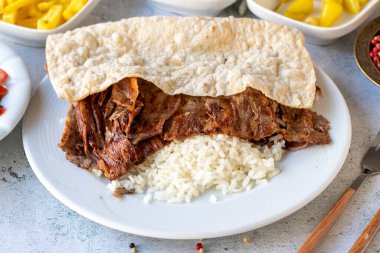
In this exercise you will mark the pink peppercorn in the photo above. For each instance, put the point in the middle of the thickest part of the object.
(375, 51)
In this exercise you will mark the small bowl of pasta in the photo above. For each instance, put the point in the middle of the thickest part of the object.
(29, 22)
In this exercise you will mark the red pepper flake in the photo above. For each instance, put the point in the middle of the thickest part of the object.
(3, 77)
(3, 89)
(2, 110)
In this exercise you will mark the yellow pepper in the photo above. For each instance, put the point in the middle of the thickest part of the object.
(73, 8)
(30, 22)
(65, 3)
(301, 6)
(337, 1)
(331, 11)
(296, 16)
(14, 6)
(51, 19)
(10, 17)
(312, 21)
(45, 5)
(352, 6)
(2, 5)
(34, 11)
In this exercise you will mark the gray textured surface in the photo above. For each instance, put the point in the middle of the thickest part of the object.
(32, 220)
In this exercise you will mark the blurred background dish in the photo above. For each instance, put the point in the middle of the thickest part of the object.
(19, 89)
(192, 7)
(36, 38)
(365, 44)
(346, 23)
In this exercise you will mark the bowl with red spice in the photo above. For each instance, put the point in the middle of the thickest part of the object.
(367, 50)
(15, 90)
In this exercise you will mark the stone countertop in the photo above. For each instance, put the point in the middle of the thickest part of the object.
(34, 221)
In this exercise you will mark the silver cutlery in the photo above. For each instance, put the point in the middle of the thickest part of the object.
(370, 166)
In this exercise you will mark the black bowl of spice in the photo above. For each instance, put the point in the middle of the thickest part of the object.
(367, 50)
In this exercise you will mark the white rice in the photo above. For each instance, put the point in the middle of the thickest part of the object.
(213, 198)
(98, 173)
(182, 171)
(114, 185)
(148, 198)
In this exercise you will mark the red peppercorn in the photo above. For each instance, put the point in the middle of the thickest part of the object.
(198, 246)
(375, 51)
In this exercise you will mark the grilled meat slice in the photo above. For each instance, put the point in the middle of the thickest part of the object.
(121, 126)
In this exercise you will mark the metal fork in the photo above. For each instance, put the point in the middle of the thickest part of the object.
(370, 166)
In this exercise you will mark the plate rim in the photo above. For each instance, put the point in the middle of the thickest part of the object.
(190, 235)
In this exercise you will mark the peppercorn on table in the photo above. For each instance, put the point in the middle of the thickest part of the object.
(34, 221)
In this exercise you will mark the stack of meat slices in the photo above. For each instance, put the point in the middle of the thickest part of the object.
(121, 126)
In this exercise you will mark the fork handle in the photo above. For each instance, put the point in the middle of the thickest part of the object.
(328, 221)
(368, 234)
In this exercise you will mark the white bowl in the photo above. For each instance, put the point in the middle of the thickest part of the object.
(314, 34)
(37, 38)
(193, 7)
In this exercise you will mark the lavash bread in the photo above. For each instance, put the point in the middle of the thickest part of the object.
(198, 56)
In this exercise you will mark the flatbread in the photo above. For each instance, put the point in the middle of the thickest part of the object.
(198, 56)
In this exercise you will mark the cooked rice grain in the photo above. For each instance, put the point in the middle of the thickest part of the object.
(184, 170)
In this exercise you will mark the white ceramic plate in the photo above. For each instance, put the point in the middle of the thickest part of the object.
(19, 88)
(305, 174)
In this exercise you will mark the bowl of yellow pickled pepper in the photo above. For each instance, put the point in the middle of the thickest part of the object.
(321, 21)
(29, 22)
(325, 13)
